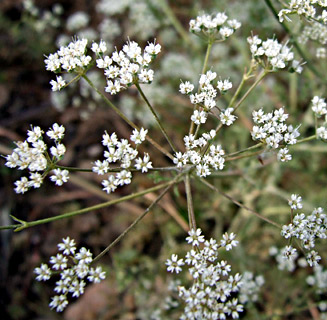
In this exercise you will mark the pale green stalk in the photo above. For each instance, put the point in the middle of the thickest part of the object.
(261, 75)
(155, 116)
(190, 209)
(24, 224)
(132, 124)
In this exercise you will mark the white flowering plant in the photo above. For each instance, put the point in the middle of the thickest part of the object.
(197, 129)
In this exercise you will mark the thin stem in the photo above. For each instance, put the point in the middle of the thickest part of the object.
(246, 76)
(261, 75)
(258, 145)
(155, 116)
(206, 59)
(306, 139)
(25, 224)
(132, 124)
(124, 233)
(244, 156)
(212, 187)
(316, 126)
(190, 209)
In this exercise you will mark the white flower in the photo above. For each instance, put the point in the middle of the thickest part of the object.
(174, 264)
(199, 117)
(283, 155)
(289, 253)
(59, 302)
(143, 164)
(110, 185)
(96, 275)
(84, 256)
(68, 246)
(195, 237)
(226, 117)
(319, 106)
(57, 132)
(60, 176)
(43, 272)
(57, 85)
(225, 85)
(186, 87)
(59, 262)
(22, 185)
(139, 136)
(295, 202)
(228, 241)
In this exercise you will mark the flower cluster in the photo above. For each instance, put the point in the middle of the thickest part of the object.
(272, 55)
(128, 66)
(32, 154)
(205, 98)
(211, 295)
(271, 129)
(73, 268)
(305, 8)
(318, 279)
(284, 262)
(319, 106)
(70, 58)
(250, 288)
(121, 151)
(216, 26)
(203, 161)
(306, 228)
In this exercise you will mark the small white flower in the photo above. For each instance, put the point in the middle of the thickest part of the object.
(295, 202)
(96, 275)
(174, 264)
(139, 136)
(60, 176)
(43, 272)
(59, 262)
(58, 84)
(195, 237)
(143, 164)
(68, 246)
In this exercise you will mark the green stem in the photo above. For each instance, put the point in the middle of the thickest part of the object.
(206, 59)
(190, 209)
(258, 145)
(25, 224)
(316, 127)
(132, 124)
(246, 76)
(306, 139)
(244, 156)
(212, 187)
(261, 75)
(155, 116)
